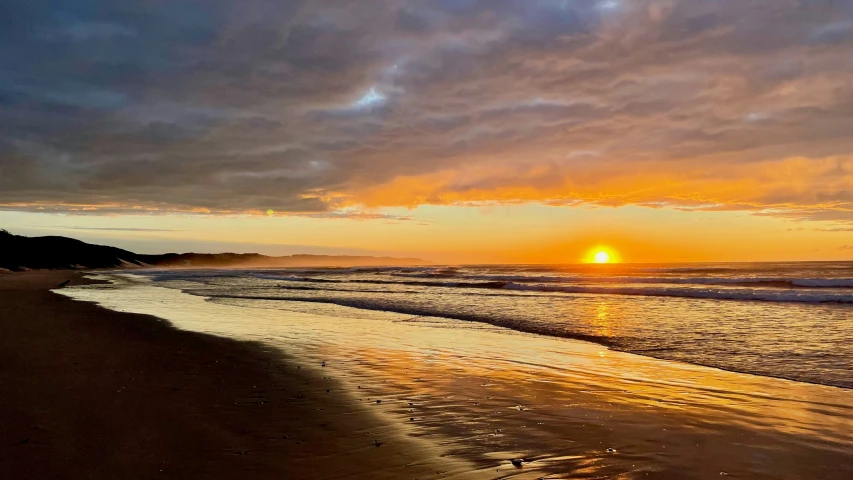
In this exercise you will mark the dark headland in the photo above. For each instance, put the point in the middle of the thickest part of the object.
(18, 253)
(87, 392)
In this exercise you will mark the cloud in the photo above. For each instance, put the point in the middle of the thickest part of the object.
(117, 229)
(356, 215)
(845, 247)
(324, 108)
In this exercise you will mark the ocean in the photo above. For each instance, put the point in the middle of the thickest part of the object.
(484, 363)
(786, 320)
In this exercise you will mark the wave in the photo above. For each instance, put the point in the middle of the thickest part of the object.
(472, 278)
(413, 284)
(507, 320)
(689, 269)
(788, 296)
(741, 294)
(496, 278)
(410, 309)
(824, 282)
(681, 314)
(777, 282)
(740, 288)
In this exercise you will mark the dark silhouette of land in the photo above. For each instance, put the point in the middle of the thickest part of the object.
(19, 253)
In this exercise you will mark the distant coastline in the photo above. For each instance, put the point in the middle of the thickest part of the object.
(21, 253)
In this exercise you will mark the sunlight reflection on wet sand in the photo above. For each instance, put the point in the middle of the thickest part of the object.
(489, 394)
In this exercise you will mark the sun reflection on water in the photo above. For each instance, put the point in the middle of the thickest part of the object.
(465, 382)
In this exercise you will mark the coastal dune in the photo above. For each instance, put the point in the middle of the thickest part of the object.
(92, 393)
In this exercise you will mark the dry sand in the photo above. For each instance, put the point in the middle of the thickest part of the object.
(90, 393)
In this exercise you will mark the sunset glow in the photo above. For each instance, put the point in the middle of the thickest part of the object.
(461, 132)
(616, 233)
(601, 255)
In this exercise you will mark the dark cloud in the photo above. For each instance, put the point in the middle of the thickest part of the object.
(320, 107)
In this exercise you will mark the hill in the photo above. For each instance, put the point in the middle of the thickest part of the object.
(18, 253)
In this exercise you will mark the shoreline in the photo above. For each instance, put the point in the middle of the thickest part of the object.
(640, 324)
(203, 389)
(93, 393)
(590, 339)
(488, 394)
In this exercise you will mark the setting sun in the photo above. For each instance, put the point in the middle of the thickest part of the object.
(601, 254)
(575, 207)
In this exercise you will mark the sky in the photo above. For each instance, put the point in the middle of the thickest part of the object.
(461, 131)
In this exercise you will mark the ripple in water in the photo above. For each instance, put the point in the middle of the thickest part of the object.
(786, 320)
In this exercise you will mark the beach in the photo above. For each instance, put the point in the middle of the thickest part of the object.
(92, 393)
(464, 399)
(408, 239)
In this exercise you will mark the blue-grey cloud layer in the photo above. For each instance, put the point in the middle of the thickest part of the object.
(307, 106)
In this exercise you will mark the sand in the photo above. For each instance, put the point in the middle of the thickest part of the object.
(90, 393)
(87, 392)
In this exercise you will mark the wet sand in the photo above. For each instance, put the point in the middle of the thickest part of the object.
(483, 395)
(86, 392)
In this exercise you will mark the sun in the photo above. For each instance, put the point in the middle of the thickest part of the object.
(601, 254)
